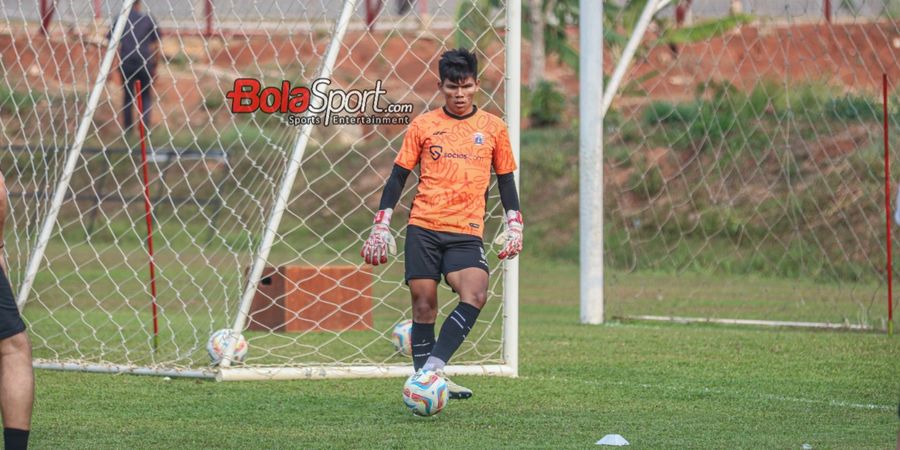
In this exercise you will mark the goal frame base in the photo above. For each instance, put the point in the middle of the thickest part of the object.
(275, 373)
(336, 372)
(752, 322)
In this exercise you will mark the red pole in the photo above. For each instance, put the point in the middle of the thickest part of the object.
(887, 202)
(209, 17)
(47, 9)
(97, 9)
(828, 11)
(149, 216)
(372, 9)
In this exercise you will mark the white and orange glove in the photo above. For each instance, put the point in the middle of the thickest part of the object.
(380, 241)
(511, 240)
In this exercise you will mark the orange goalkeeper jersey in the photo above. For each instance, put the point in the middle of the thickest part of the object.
(455, 155)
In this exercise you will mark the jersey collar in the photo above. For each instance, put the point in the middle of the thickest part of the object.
(454, 116)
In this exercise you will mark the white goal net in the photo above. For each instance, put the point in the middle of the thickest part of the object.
(744, 162)
(217, 181)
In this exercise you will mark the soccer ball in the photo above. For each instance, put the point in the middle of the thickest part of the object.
(219, 341)
(402, 339)
(425, 393)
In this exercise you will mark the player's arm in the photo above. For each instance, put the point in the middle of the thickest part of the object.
(380, 240)
(505, 165)
(511, 239)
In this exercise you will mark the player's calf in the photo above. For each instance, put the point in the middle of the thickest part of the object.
(453, 332)
(16, 389)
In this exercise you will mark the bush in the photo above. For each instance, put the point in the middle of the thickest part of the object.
(851, 107)
(665, 112)
(646, 180)
(545, 105)
(13, 101)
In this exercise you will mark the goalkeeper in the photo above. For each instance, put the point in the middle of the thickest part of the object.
(455, 148)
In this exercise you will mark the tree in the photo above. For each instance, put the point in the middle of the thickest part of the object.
(619, 22)
(550, 20)
(546, 21)
(536, 15)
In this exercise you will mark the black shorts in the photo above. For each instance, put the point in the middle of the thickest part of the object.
(11, 322)
(429, 254)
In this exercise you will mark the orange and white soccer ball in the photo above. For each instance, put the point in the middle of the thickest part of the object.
(219, 341)
(425, 393)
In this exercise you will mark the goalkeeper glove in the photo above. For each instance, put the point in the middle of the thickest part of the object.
(511, 240)
(380, 240)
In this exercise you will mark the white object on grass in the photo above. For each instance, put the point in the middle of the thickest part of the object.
(613, 439)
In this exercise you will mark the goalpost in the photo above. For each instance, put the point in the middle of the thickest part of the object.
(257, 222)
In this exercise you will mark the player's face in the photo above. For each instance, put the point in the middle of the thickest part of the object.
(458, 95)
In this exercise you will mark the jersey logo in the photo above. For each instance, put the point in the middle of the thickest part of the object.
(435, 151)
(478, 138)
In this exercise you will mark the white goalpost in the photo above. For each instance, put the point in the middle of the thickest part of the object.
(257, 224)
(590, 156)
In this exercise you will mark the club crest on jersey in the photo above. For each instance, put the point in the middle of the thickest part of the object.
(478, 138)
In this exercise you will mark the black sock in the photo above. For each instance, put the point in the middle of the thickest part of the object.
(422, 337)
(15, 439)
(454, 331)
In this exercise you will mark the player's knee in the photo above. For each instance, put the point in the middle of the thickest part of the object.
(17, 344)
(476, 299)
(424, 309)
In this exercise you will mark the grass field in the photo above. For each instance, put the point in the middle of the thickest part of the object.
(660, 386)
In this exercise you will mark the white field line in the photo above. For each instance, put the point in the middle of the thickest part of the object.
(835, 403)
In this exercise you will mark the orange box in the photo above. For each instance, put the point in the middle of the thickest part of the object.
(302, 298)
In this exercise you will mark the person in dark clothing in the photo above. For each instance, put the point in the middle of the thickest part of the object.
(138, 52)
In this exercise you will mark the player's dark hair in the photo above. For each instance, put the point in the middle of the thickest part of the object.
(457, 65)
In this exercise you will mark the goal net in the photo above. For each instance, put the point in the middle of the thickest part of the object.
(744, 162)
(257, 221)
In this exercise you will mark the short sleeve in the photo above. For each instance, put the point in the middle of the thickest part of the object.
(409, 153)
(503, 160)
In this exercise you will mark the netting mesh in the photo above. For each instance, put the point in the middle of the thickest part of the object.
(744, 163)
(213, 181)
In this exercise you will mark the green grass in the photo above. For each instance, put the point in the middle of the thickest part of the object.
(663, 386)
(660, 386)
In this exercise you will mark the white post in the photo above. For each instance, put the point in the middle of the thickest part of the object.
(513, 94)
(62, 186)
(287, 183)
(628, 54)
(590, 197)
(662, 4)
